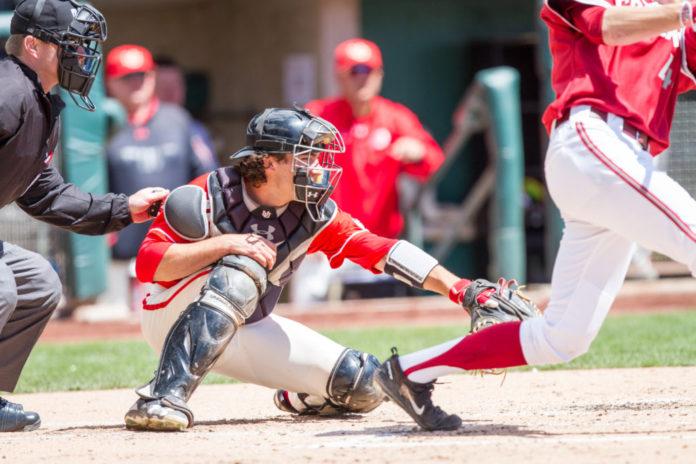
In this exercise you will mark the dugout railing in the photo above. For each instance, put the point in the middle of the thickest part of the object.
(490, 105)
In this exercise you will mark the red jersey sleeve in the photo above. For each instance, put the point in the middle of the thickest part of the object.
(408, 125)
(158, 240)
(688, 66)
(584, 16)
(345, 238)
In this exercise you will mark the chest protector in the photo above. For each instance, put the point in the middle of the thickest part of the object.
(292, 231)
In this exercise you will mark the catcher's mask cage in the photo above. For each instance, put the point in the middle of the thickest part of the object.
(312, 142)
(79, 49)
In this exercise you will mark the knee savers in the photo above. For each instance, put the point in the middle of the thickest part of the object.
(234, 287)
(350, 383)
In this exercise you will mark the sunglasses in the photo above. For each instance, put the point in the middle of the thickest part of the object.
(133, 77)
(360, 69)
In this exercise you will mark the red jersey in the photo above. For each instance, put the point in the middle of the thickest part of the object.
(639, 82)
(368, 189)
(342, 238)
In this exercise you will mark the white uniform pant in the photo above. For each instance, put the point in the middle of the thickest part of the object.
(274, 352)
(610, 198)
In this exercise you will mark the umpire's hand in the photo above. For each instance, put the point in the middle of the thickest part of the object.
(141, 201)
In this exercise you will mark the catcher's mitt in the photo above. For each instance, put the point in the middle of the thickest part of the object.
(488, 303)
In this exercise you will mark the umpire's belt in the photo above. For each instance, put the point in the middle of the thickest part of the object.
(628, 128)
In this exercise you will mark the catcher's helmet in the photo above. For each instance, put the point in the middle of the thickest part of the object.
(311, 140)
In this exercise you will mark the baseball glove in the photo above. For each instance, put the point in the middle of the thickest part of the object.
(491, 303)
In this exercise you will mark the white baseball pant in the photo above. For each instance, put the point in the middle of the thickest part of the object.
(274, 352)
(610, 197)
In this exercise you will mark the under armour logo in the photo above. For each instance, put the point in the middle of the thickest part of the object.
(267, 234)
(313, 195)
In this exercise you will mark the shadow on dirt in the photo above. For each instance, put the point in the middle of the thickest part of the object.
(220, 422)
(467, 429)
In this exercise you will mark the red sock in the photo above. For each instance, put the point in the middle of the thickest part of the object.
(495, 347)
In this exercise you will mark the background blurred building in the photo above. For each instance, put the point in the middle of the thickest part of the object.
(243, 56)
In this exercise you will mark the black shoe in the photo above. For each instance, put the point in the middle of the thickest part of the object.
(13, 418)
(413, 397)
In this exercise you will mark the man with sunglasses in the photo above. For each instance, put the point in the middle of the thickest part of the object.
(383, 140)
(52, 42)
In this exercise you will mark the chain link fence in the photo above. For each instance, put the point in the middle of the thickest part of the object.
(20, 229)
(680, 162)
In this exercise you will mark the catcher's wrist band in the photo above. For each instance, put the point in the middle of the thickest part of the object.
(686, 14)
(409, 264)
(456, 292)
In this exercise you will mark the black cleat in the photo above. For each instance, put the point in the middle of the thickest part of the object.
(13, 418)
(413, 397)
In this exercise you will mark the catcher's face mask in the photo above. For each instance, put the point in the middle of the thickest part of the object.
(80, 54)
(315, 173)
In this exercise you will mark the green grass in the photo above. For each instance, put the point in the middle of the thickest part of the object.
(625, 341)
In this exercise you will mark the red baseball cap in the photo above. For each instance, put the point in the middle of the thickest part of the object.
(128, 59)
(354, 52)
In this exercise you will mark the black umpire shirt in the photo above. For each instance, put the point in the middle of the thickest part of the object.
(29, 133)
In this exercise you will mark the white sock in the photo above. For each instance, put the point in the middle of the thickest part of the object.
(431, 373)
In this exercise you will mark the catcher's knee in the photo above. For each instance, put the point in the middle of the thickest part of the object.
(350, 384)
(234, 287)
(543, 343)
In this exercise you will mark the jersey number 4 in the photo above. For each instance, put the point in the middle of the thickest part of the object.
(666, 72)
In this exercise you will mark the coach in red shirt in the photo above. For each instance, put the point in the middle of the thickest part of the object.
(383, 139)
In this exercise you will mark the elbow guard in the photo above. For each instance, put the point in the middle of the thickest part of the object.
(409, 264)
(185, 212)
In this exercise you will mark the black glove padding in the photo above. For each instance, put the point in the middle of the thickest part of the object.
(491, 303)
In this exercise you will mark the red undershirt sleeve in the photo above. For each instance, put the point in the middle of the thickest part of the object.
(345, 238)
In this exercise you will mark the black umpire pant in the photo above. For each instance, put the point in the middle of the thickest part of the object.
(29, 293)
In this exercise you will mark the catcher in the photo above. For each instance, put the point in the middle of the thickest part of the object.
(218, 255)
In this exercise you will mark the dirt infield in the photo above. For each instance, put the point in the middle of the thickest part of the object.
(622, 415)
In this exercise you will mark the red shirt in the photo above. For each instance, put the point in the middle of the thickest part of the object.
(639, 82)
(343, 238)
(367, 189)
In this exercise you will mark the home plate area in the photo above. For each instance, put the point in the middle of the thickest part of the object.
(616, 415)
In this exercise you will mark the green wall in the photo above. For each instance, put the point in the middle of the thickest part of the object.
(425, 47)
(428, 66)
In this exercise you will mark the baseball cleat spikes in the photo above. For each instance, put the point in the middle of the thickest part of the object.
(413, 397)
(155, 417)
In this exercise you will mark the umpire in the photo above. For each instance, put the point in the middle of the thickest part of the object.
(52, 42)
